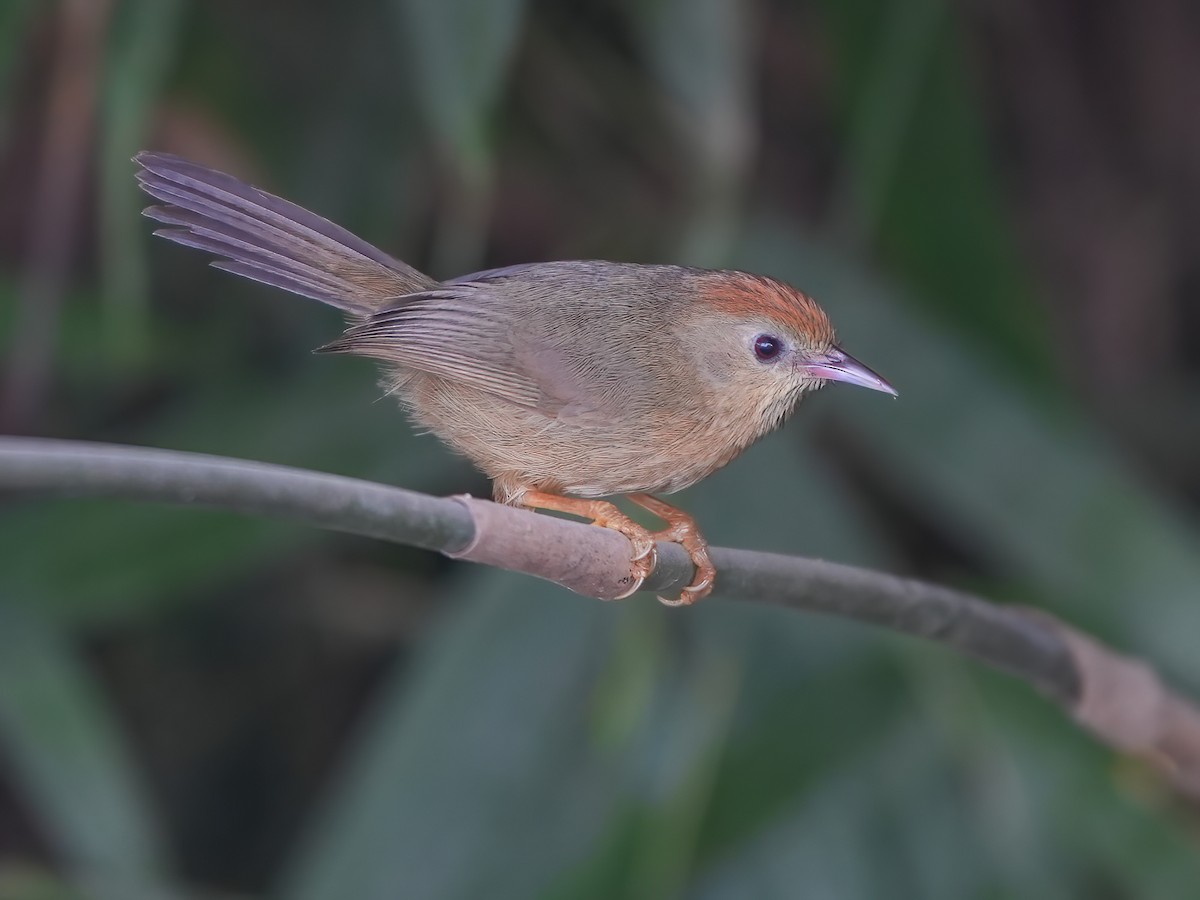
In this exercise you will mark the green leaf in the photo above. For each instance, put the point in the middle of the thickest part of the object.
(22, 881)
(65, 751)
(890, 83)
(474, 773)
(459, 53)
(701, 53)
(14, 40)
(142, 40)
(919, 175)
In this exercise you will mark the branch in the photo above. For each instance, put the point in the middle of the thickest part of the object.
(1121, 700)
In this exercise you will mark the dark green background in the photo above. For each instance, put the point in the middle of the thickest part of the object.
(999, 204)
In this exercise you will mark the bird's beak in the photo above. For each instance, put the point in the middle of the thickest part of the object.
(838, 365)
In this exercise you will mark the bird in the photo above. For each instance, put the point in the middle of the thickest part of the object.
(566, 382)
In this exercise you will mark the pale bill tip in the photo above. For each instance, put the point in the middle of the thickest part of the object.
(838, 365)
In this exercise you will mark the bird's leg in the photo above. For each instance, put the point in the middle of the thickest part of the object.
(681, 529)
(604, 514)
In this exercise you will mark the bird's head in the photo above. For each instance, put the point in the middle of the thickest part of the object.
(762, 341)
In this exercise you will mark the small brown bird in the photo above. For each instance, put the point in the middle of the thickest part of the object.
(565, 382)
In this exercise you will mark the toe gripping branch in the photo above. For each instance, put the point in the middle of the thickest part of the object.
(583, 558)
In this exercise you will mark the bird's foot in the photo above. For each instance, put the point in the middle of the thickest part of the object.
(682, 529)
(606, 515)
(645, 554)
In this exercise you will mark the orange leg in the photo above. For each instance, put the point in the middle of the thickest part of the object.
(604, 514)
(681, 529)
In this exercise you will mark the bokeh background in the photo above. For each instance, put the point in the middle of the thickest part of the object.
(997, 200)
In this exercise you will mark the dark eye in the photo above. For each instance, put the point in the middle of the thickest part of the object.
(767, 347)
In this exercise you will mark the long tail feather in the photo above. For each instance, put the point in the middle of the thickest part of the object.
(265, 238)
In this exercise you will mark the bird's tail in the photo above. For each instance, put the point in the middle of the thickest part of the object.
(260, 236)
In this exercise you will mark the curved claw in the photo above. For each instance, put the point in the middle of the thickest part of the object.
(681, 529)
(637, 586)
(681, 600)
(642, 565)
(646, 551)
(698, 590)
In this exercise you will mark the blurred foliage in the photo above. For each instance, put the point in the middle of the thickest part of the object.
(193, 704)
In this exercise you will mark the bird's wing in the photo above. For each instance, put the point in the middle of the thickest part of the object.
(479, 332)
(456, 332)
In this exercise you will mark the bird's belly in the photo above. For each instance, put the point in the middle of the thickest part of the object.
(578, 455)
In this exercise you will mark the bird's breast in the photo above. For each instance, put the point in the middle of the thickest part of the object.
(591, 455)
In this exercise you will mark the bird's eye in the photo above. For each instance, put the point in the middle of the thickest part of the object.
(767, 348)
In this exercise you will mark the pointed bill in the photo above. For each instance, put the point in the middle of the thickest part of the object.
(838, 365)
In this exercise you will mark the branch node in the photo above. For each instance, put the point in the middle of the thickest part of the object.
(1124, 703)
(582, 558)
